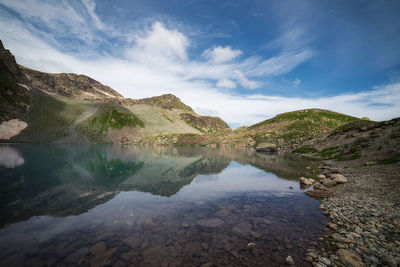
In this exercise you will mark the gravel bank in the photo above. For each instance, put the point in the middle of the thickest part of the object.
(365, 219)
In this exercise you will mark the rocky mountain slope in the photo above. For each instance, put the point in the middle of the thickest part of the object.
(357, 143)
(68, 84)
(70, 108)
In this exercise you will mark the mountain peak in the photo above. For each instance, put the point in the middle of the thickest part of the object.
(7, 61)
(166, 101)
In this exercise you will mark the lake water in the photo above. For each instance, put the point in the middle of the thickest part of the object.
(118, 205)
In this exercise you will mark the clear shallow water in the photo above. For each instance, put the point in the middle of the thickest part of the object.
(118, 205)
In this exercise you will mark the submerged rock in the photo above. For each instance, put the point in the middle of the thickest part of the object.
(289, 260)
(242, 228)
(251, 245)
(133, 242)
(210, 223)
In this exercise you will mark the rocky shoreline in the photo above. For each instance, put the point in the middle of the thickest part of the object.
(364, 227)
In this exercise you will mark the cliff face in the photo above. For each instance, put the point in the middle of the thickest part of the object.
(14, 98)
(8, 65)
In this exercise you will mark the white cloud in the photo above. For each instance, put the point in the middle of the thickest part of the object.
(158, 62)
(160, 42)
(219, 54)
(226, 83)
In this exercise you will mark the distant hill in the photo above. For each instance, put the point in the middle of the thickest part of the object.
(70, 108)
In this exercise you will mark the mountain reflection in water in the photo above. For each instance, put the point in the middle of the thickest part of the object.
(173, 200)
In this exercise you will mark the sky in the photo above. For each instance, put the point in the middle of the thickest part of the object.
(244, 61)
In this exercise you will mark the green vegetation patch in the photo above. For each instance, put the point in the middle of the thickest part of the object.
(329, 152)
(115, 119)
(108, 117)
(350, 151)
(353, 156)
(306, 150)
(393, 159)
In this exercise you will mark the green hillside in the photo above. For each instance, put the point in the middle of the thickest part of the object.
(297, 126)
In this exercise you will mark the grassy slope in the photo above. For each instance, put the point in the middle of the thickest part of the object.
(297, 125)
(49, 118)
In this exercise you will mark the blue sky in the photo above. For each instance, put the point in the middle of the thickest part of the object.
(244, 61)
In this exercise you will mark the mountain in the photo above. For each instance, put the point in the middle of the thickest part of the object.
(70, 108)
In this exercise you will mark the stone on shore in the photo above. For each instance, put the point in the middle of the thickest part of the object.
(319, 186)
(328, 182)
(306, 181)
(349, 258)
(339, 178)
(319, 194)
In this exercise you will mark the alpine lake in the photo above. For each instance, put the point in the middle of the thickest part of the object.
(126, 205)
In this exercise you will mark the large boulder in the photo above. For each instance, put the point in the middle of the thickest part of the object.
(267, 148)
